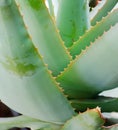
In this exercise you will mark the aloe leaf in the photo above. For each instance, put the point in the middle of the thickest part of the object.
(25, 82)
(94, 33)
(72, 19)
(108, 6)
(95, 70)
(89, 120)
(24, 121)
(106, 104)
(44, 34)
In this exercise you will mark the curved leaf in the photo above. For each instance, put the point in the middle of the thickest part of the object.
(106, 104)
(95, 70)
(108, 6)
(94, 33)
(44, 34)
(24, 121)
(25, 82)
(89, 120)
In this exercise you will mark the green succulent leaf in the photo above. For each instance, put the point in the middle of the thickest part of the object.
(38, 72)
(107, 104)
(94, 33)
(25, 82)
(70, 22)
(95, 70)
(24, 121)
(89, 120)
(44, 34)
(108, 6)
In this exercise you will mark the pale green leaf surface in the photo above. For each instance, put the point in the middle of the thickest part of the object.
(95, 70)
(24, 121)
(94, 33)
(108, 6)
(72, 19)
(25, 83)
(44, 34)
(89, 120)
(106, 104)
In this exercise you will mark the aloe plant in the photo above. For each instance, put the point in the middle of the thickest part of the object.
(54, 67)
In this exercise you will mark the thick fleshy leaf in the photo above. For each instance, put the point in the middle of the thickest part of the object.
(25, 83)
(44, 34)
(95, 70)
(89, 120)
(72, 19)
(106, 104)
(108, 6)
(24, 121)
(94, 33)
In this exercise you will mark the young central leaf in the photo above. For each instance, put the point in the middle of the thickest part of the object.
(72, 19)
